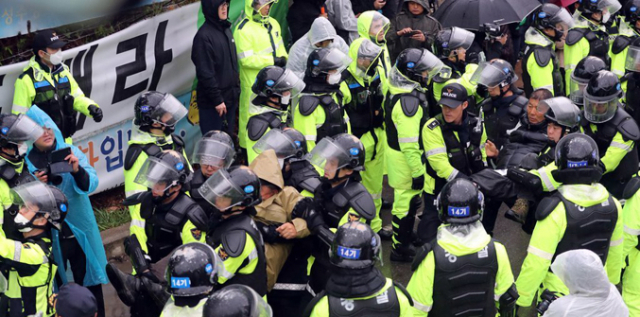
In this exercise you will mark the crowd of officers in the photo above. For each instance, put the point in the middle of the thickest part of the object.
(291, 217)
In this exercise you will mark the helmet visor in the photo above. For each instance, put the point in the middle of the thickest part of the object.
(565, 113)
(598, 110)
(169, 111)
(460, 38)
(334, 62)
(609, 6)
(220, 191)
(367, 54)
(278, 141)
(490, 75)
(35, 196)
(24, 129)
(379, 26)
(329, 156)
(214, 153)
(576, 89)
(432, 65)
(288, 81)
(157, 174)
(562, 20)
(632, 63)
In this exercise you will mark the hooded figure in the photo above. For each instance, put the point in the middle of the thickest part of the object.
(321, 31)
(590, 292)
(214, 55)
(80, 218)
(422, 22)
(342, 17)
(274, 211)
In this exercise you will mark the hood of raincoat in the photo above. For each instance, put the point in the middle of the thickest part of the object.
(423, 3)
(353, 54)
(364, 24)
(399, 83)
(585, 195)
(321, 30)
(250, 12)
(210, 10)
(266, 166)
(463, 240)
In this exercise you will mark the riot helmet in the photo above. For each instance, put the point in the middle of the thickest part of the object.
(282, 143)
(329, 63)
(236, 301)
(161, 109)
(277, 82)
(40, 199)
(562, 112)
(192, 270)
(214, 149)
(496, 73)
(586, 68)
(551, 16)
(163, 172)
(451, 39)
(460, 202)
(413, 63)
(577, 160)
(606, 7)
(237, 186)
(601, 97)
(355, 246)
(18, 132)
(631, 12)
(342, 151)
(367, 59)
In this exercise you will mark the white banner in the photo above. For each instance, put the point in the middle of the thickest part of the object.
(154, 54)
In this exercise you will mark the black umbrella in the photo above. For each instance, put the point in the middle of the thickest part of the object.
(471, 14)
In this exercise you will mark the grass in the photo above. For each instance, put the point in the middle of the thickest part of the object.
(109, 218)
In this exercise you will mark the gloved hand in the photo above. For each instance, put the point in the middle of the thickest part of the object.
(148, 274)
(301, 207)
(96, 113)
(417, 183)
(280, 61)
(269, 233)
(313, 218)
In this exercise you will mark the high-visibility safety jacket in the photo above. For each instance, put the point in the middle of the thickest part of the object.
(631, 249)
(577, 217)
(584, 39)
(53, 91)
(540, 64)
(320, 114)
(258, 42)
(619, 48)
(172, 310)
(385, 65)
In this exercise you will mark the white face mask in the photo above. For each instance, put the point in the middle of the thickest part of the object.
(285, 99)
(22, 149)
(334, 79)
(56, 58)
(606, 16)
(281, 163)
(22, 220)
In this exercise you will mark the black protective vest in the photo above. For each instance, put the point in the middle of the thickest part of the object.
(334, 122)
(56, 101)
(384, 305)
(12, 178)
(407, 102)
(365, 109)
(498, 123)
(632, 96)
(598, 41)
(151, 149)
(302, 176)
(258, 125)
(466, 159)
(464, 286)
(257, 279)
(588, 227)
(352, 195)
(543, 55)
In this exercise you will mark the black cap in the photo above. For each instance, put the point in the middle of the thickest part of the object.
(74, 300)
(47, 39)
(453, 95)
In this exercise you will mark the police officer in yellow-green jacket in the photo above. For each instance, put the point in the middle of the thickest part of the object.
(47, 83)
(259, 44)
(405, 113)
(629, 30)
(589, 35)
(235, 236)
(363, 104)
(356, 287)
(453, 144)
(319, 112)
(374, 26)
(580, 215)
(540, 67)
(167, 218)
(464, 269)
(631, 248)
(41, 209)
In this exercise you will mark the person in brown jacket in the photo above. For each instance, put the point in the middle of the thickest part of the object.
(413, 27)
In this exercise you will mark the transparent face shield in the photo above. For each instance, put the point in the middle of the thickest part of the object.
(432, 65)
(489, 75)
(608, 8)
(562, 21)
(34, 196)
(460, 38)
(328, 156)
(288, 81)
(169, 111)
(157, 175)
(576, 89)
(278, 141)
(598, 110)
(220, 192)
(23, 130)
(334, 62)
(379, 27)
(368, 53)
(213, 153)
(565, 113)
(632, 63)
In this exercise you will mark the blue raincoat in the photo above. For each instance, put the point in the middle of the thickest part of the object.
(81, 218)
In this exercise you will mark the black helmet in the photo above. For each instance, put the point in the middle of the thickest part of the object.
(412, 62)
(589, 7)
(551, 16)
(342, 151)
(42, 199)
(452, 38)
(15, 130)
(236, 301)
(460, 202)
(237, 186)
(586, 68)
(192, 270)
(322, 61)
(494, 73)
(282, 143)
(168, 169)
(631, 12)
(215, 149)
(161, 108)
(561, 111)
(298, 138)
(601, 97)
(275, 81)
(355, 246)
(577, 159)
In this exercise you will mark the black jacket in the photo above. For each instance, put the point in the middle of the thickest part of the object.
(301, 15)
(214, 55)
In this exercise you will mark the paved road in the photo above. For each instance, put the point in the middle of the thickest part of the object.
(507, 232)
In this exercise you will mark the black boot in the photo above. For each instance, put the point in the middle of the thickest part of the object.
(402, 253)
(386, 232)
(156, 291)
(127, 286)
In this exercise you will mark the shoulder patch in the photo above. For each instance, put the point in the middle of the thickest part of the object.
(130, 158)
(308, 104)
(233, 242)
(620, 43)
(434, 123)
(410, 105)
(196, 233)
(632, 187)
(574, 35)
(542, 56)
(546, 206)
